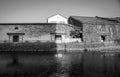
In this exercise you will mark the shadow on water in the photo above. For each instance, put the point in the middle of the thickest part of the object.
(38, 63)
(28, 64)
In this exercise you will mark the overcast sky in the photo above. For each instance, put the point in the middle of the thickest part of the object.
(23, 11)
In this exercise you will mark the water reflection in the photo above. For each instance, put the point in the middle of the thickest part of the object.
(41, 65)
(92, 64)
(73, 64)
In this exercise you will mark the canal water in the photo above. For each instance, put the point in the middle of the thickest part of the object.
(74, 64)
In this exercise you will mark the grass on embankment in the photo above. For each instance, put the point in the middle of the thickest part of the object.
(37, 46)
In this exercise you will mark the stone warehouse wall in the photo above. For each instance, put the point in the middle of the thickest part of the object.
(93, 33)
(31, 32)
(116, 33)
(34, 32)
(64, 29)
(96, 29)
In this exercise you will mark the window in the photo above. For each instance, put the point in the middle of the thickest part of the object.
(15, 38)
(16, 28)
(58, 37)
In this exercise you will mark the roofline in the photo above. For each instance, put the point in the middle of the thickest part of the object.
(27, 23)
(33, 24)
(103, 23)
(57, 14)
(83, 16)
(94, 17)
(108, 19)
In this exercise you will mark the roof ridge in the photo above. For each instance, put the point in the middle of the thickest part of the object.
(83, 16)
(108, 19)
(57, 14)
(94, 20)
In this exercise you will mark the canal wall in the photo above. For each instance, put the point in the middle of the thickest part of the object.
(48, 47)
(53, 47)
(102, 47)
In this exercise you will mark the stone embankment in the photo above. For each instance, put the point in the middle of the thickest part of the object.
(100, 47)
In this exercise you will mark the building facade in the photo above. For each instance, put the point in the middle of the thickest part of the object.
(32, 32)
(88, 30)
(97, 29)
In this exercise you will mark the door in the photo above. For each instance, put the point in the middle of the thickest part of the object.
(15, 38)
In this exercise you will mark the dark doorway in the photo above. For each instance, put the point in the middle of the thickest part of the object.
(103, 38)
(81, 36)
(16, 38)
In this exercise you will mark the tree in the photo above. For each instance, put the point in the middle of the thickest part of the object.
(76, 34)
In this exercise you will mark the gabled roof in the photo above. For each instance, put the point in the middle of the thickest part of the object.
(56, 15)
(94, 20)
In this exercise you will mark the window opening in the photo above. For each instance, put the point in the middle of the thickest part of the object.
(16, 38)
(58, 37)
(16, 28)
(103, 38)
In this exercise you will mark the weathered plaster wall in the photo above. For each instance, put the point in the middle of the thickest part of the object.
(92, 32)
(117, 32)
(64, 29)
(32, 32)
(88, 33)
(3, 30)
(45, 32)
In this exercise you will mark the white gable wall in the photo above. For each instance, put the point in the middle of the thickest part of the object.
(57, 19)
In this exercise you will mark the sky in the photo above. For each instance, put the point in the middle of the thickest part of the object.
(36, 11)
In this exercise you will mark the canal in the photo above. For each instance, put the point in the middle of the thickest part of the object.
(73, 64)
